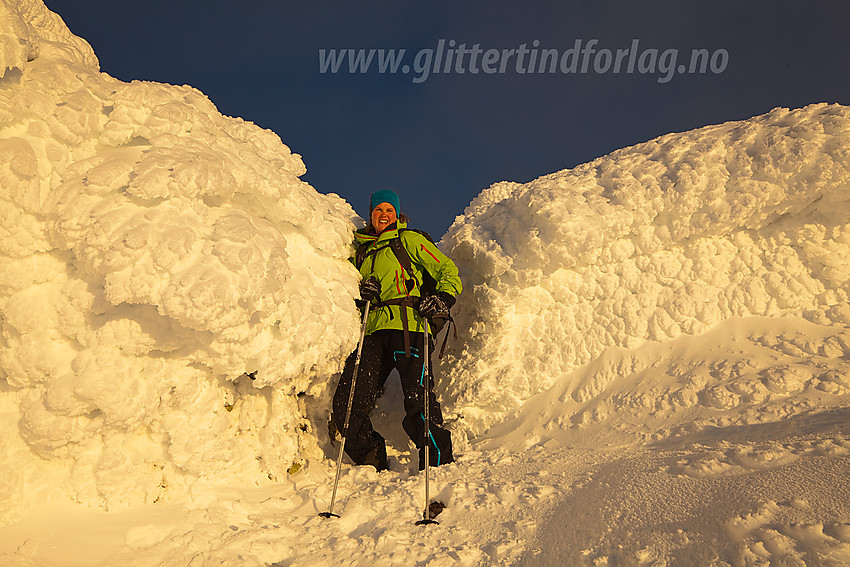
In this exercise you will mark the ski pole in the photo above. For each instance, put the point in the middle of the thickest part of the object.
(330, 512)
(426, 384)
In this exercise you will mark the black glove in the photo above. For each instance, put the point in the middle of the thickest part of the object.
(438, 304)
(370, 289)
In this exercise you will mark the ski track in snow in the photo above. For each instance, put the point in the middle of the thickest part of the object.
(653, 367)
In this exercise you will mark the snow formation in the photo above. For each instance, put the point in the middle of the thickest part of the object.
(665, 238)
(653, 365)
(153, 253)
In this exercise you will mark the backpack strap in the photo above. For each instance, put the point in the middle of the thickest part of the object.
(361, 254)
(403, 257)
(364, 252)
(403, 303)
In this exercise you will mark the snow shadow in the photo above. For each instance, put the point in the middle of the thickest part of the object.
(831, 421)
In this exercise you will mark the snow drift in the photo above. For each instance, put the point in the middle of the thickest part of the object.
(669, 237)
(168, 285)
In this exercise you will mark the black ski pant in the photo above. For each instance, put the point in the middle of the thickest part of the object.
(382, 352)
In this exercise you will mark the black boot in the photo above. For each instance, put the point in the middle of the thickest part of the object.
(436, 458)
(377, 457)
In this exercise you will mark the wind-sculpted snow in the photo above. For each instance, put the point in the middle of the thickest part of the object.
(152, 254)
(665, 238)
(674, 317)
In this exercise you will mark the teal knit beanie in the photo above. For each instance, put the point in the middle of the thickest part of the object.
(384, 196)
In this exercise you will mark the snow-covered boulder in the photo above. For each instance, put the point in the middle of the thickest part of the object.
(665, 238)
(153, 254)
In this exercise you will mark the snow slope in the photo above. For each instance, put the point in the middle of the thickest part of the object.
(653, 365)
(665, 238)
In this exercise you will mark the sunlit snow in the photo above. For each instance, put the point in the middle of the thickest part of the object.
(153, 254)
(652, 367)
(665, 238)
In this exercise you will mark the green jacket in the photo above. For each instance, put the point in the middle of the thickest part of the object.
(384, 265)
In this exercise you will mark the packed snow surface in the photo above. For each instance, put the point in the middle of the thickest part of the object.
(653, 362)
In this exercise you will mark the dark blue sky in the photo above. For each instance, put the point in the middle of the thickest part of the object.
(443, 140)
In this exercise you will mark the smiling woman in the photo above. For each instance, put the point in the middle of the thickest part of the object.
(394, 263)
(383, 216)
(384, 207)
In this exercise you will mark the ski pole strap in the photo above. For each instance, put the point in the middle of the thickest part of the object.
(450, 322)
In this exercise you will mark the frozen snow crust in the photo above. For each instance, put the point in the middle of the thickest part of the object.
(668, 237)
(152, 253)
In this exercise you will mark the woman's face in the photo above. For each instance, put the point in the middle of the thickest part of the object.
(383, 216)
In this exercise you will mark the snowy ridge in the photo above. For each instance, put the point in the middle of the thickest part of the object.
(26, 26)
(152, 253)
(665, 238)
